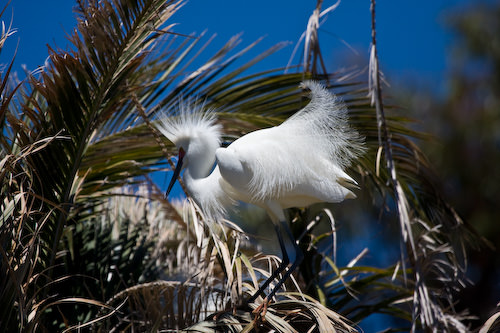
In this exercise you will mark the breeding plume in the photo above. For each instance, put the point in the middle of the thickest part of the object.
(295, 164)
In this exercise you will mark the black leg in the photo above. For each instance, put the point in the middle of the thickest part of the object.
(299, 256)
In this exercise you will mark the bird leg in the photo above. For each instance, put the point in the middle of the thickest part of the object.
(299, 256)
(284, 263)
(260, 311)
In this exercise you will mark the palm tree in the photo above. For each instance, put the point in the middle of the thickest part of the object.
(88, 239)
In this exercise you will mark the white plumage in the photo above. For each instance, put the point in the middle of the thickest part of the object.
(295, 164)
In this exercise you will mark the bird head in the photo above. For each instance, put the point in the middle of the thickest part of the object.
(196, 135)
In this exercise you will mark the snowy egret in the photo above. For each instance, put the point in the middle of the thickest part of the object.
(295, 164)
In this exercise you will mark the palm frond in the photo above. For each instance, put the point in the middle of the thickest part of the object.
(425, 223)
(51, 124)
(83, 90)
(157, 305)
(491, 324)
(206, 272)
(81, 129)
(105, 254)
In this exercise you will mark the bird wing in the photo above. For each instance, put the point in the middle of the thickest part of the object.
(275, 164)
(303, 157)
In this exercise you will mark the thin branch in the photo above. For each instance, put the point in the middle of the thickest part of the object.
(384, 140)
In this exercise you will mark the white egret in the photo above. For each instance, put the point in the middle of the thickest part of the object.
(295, 164)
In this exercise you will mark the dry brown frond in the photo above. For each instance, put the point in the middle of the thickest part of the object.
(312, 53)
(215, 278)
(293, 314)
(430, 253)
(160, 304)
(492, 324)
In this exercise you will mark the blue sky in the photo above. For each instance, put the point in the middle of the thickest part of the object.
(411, 39)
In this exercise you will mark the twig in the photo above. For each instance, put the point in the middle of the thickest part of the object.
(384, 140)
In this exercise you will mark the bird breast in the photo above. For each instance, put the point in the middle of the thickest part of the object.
(233, 170)
(276, 164)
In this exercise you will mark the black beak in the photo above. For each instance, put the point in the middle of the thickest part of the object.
(177, 171)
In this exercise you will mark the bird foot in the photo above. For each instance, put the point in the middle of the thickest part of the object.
(261, 310)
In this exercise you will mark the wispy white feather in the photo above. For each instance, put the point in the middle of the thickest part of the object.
(195, 129)
(189, 120)
(297, 163)
(320, 141)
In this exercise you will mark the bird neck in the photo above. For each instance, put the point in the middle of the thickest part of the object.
(197, 174)
(208, 194)
(197, 185)
(200, 165)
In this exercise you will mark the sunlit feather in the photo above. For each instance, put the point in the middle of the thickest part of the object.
(297, 163)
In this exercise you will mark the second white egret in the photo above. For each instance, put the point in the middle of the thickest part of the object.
(295, 164)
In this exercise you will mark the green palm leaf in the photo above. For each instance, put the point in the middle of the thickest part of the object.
(82, 91)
